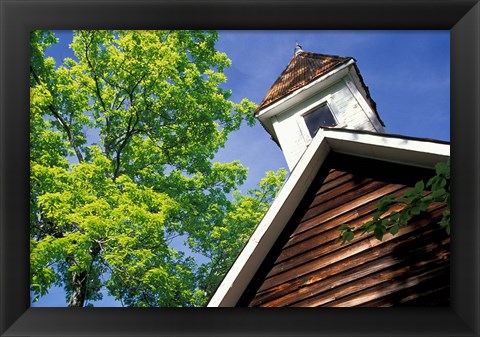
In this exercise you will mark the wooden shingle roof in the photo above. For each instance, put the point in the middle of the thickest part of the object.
(302, 69)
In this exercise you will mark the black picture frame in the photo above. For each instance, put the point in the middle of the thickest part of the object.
(19, 17)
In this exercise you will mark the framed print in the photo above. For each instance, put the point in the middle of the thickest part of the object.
(460, 18)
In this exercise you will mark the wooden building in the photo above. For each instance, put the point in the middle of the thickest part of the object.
(342, 162)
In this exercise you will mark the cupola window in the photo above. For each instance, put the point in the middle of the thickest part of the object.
(320, 116)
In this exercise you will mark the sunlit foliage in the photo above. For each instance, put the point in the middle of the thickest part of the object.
(123, 138)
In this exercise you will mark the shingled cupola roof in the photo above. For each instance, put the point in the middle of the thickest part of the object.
(304, 68)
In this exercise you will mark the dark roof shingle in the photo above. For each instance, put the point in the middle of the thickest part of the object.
(302, 69)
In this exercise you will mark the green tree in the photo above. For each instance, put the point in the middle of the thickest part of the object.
(122, 146)
(413, 202)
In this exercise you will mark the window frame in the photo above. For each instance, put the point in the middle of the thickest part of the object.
(302, 123)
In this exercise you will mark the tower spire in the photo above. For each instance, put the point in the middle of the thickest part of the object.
(298, 48)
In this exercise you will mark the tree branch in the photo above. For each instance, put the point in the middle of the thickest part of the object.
(61, 121)
(94, 73)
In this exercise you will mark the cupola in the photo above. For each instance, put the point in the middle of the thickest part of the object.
(316, 91)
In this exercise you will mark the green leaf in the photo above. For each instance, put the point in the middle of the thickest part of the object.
(383, 204)
(379, 232)
(445, 221)
(419, 187)
(395, 217)
(348, 236)
(416, 209)
(370, 226)
(408, 196)
(394, 229)
(440, 183)
(443, 169)
(439, 194)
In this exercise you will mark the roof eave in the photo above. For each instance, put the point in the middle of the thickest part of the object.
(369, 98)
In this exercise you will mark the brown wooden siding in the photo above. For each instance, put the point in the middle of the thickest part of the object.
(308, 266)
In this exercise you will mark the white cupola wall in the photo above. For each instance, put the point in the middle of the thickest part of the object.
(316, 91)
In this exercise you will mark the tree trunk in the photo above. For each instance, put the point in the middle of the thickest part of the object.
(79, 285)
(80, 280)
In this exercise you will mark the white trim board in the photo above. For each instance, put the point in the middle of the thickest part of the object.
(422, 153)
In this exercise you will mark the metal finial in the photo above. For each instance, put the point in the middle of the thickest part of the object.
(298, 48)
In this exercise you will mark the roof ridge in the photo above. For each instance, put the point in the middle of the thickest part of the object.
(308, 53)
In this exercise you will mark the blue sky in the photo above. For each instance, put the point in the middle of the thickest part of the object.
(407, 72)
